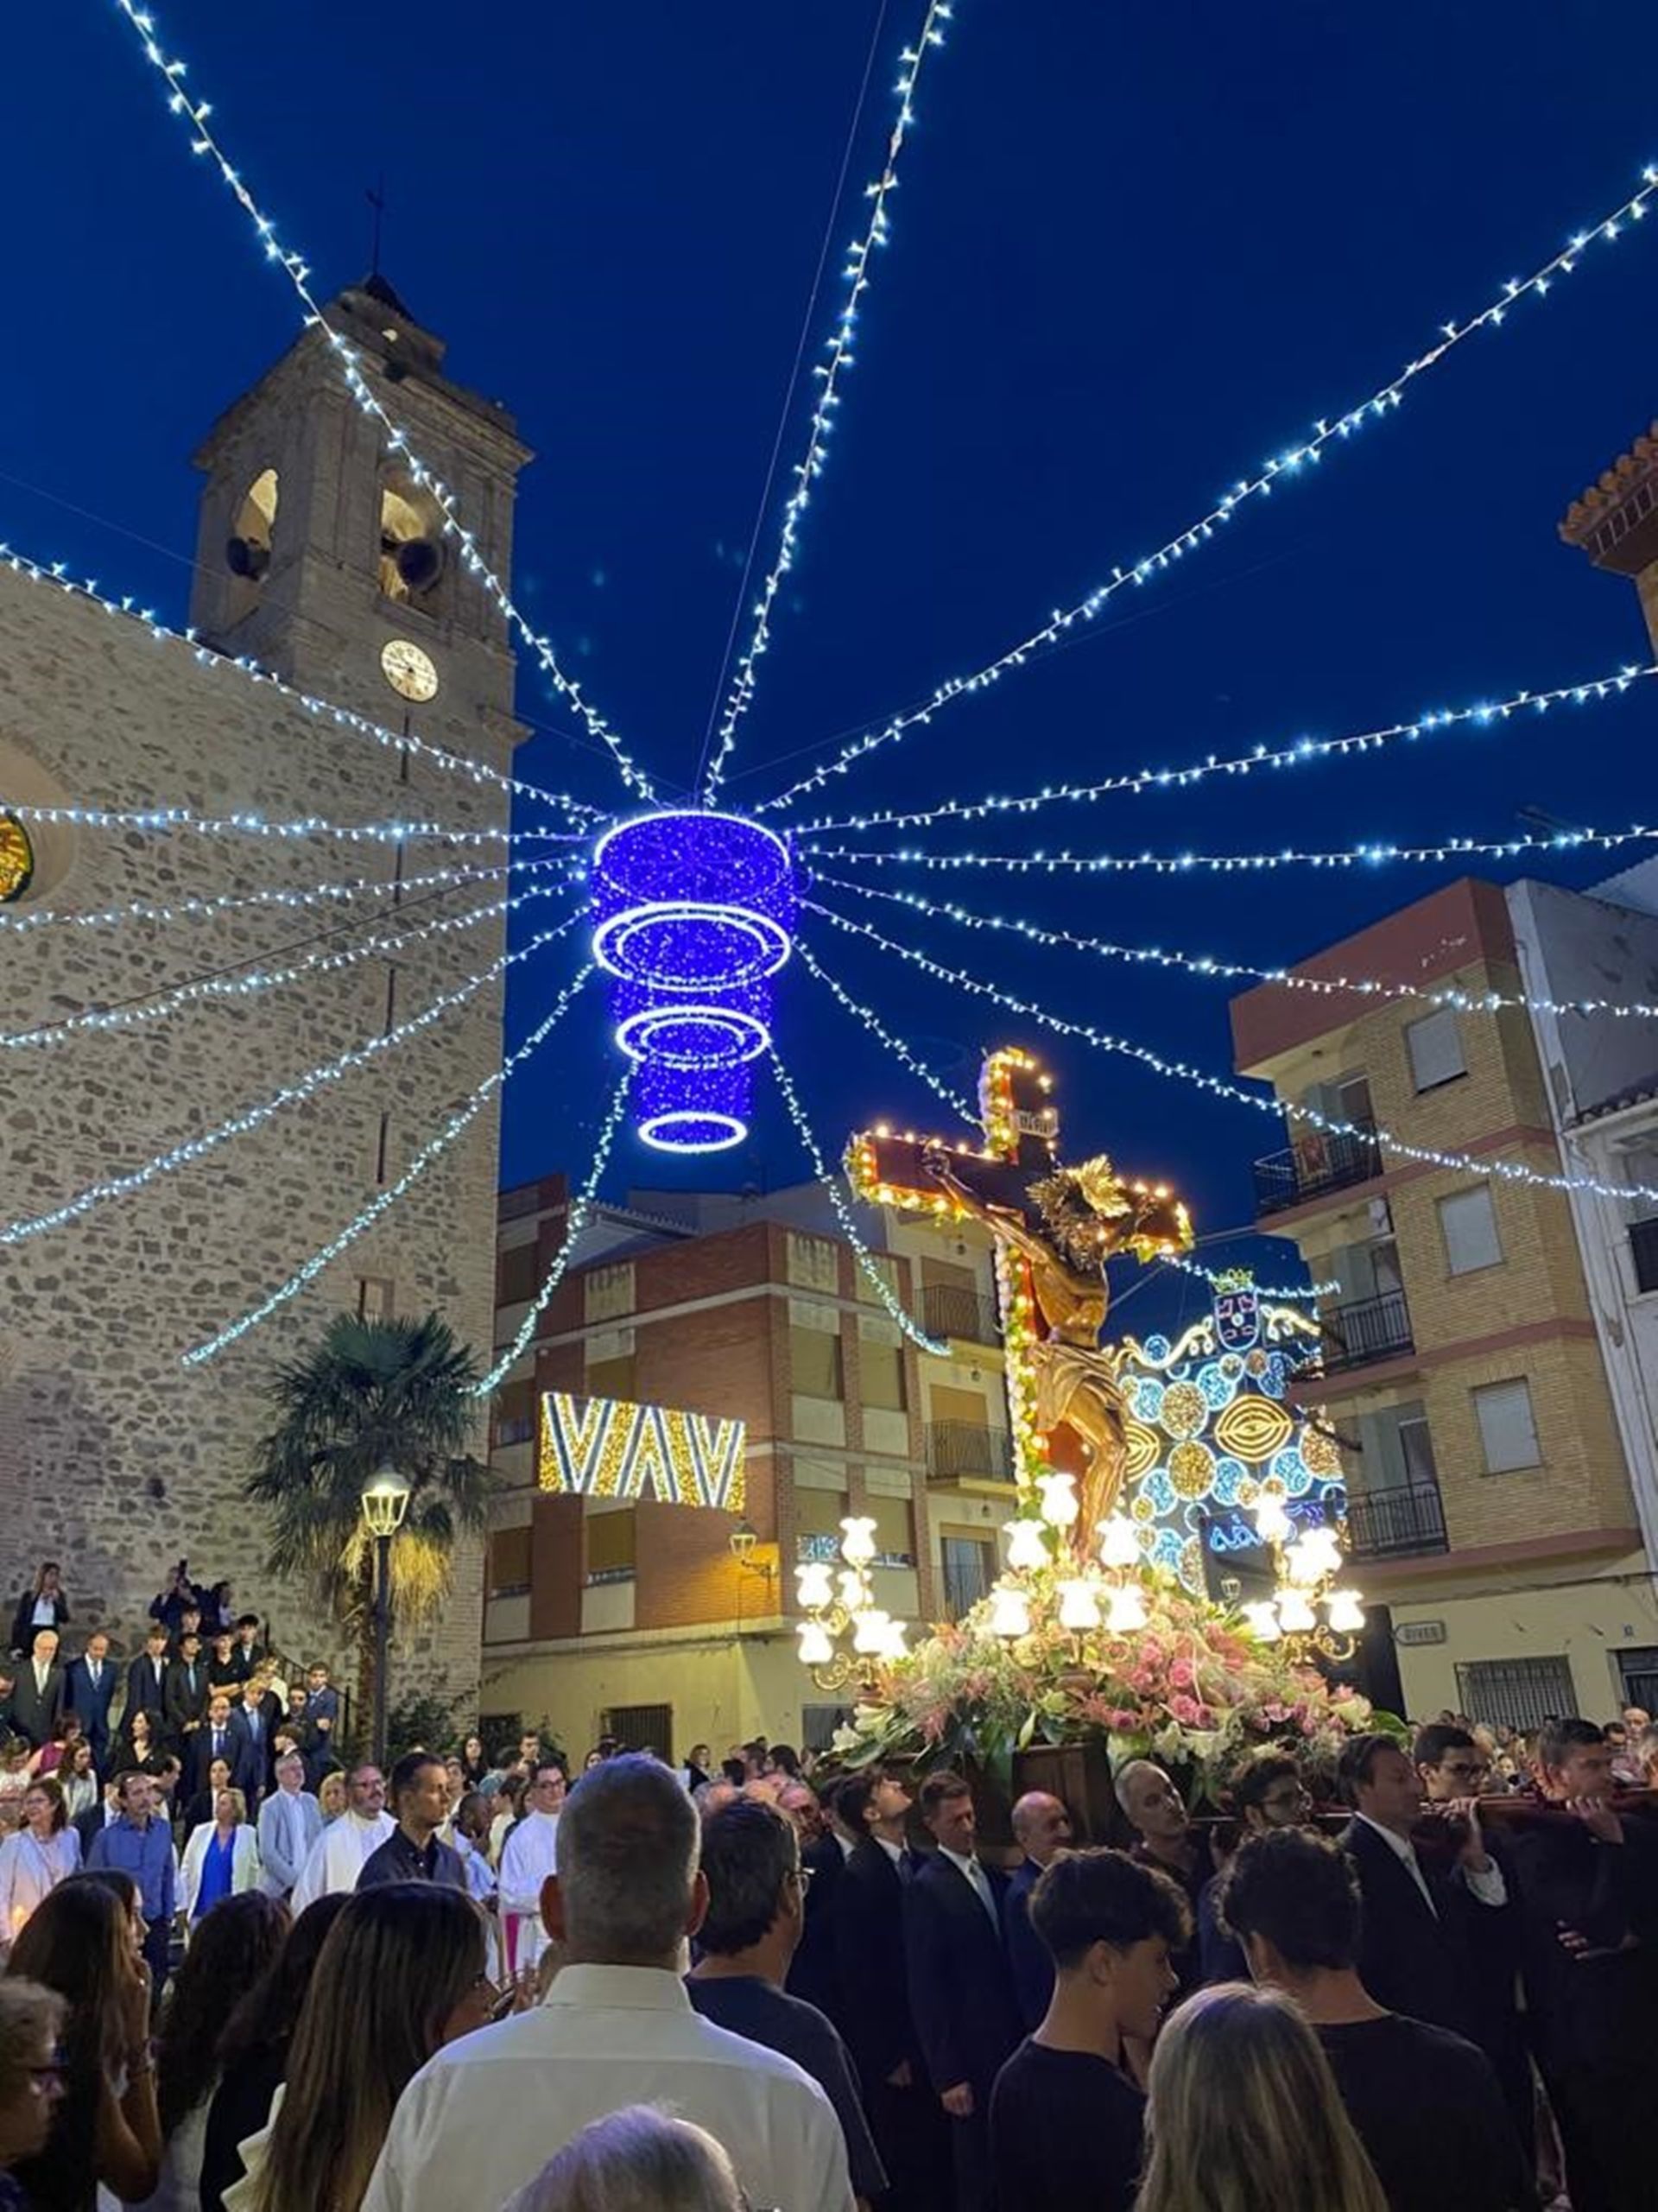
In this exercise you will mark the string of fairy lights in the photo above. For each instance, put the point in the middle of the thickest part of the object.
(1281, 468)
(588, 822)
(383, 1201)
(1210, 968)
(1195, 1078)
(193, 114)
(856, 276)
(1299, 753)
(54, 576)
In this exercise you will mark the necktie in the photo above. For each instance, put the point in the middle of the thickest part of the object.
(981, 1882)
(94, 1671)
(219, 1743)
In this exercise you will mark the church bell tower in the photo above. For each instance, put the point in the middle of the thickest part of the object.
(322, 558)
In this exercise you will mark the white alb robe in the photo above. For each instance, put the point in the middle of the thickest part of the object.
(530, 1854)
(338, 1855)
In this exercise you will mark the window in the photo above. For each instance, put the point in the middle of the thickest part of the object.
(894, 1543)
(1416, 1448)
(818, 1516)
(610, 1540)
(881, 1366)
(813, 1262)
(507, 1568)
(642, 1728)
(612, 1378)
(1468, 1223)
(375, 1297)
(1435, 1047)
(968, 1564)
(1506, 1427)
(815, 1359)
(515, 1414)
(515, 1274)
(607, 1292)
(412, 556)
(1515, 1693)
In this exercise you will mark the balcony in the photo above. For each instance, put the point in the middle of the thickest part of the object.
(1393, 1524)
(1644, 1251)
(967, 1316)
(955, 1448)
(1370, 1328)
(1315, 1165)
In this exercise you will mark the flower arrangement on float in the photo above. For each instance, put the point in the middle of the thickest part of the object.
(1107, 1651)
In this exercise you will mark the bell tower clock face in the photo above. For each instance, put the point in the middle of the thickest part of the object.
(409, 670)
(16, 858)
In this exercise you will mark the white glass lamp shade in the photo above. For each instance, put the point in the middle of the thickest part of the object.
(1009, 1612)
(854, 1587)
(814, 1586)
(1119, 1541)
(1345, 1610)
(1271, 1521)
(1262, 1617)
(1078, 1604)
(1127, 1611)
(1296, 1615)
(1027, 1544)
(858, 1541)
(817, 1645)
(1059, 1506)
(869, 1632)
(893, 1647)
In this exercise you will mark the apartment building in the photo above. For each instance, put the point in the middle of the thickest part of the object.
(670, 1623)
(1490, 1504)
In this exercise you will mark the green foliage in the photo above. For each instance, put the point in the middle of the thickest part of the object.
(424, 1719)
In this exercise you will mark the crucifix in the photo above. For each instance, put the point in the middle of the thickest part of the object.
(1054, 1229)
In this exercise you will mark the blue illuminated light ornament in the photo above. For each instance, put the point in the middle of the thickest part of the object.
(693, 915)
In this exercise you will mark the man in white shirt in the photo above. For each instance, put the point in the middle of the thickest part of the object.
(290, 1821)
(530, 1854)
(338, 1855)
(615, 2029)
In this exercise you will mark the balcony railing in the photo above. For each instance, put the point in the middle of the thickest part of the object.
(1644, 1251)
(962, 1447)
(1315, 1165)
(1390, 1523)
(1370, 1328)
(947, 1309)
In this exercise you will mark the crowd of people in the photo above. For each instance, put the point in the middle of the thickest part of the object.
(743, 1983)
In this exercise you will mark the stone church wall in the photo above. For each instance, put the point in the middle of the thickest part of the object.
(114, 1459)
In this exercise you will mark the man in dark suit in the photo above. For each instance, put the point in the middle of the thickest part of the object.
(91, 1823)
(905, 2117)
(262, 1709)
(1041, 1829)
(1421, 1952)
(37, 1690)
(222, 1734)
(187, 1695)
(90, 1686)
(815, 1970)
(147, 1681)
(960, 1990)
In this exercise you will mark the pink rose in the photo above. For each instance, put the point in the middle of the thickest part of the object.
(1182, 1675)
(1186, 1710)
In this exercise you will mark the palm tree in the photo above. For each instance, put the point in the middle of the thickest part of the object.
(372, 1394)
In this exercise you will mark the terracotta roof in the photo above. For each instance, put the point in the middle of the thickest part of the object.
(1585, 513)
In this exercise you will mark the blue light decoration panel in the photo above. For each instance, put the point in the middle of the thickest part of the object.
(693, 916)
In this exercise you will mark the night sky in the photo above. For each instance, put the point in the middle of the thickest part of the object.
(1135, 251)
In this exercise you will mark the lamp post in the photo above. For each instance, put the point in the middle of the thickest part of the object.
(385, 1500)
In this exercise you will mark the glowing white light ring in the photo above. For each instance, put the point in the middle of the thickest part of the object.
(698, 814)
(639, 1038)
(770, 939)
(651, 1132)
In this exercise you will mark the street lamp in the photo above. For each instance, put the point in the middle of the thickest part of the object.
(385, 1501)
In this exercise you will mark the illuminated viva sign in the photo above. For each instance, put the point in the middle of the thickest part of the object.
(603, 1448)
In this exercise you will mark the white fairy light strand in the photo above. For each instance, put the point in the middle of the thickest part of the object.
(579, 1213)
(161, 821)
(856, 276)
(194, 114)
(910, 1328)
(1232, 864)
(1288, 463)
(1214, 1275)
(254, 1117)
(206, 990)
(194, 908)
(1180, 1071)
(896, 1045)
(1295, 755)
(55, 576)
(1206, 967)
(434, 1147)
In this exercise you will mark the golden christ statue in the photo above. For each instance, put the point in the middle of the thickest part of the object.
(1055, 1228)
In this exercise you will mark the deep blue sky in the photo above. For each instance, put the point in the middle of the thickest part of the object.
(1136, 250)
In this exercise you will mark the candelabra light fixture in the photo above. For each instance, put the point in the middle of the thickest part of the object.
(1047, 1577)
(845, 1634)
(1310, 1610)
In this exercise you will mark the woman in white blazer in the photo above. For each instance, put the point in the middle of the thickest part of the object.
(221, 1859)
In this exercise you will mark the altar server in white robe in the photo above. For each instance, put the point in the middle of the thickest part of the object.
(338, 1855)
(530, 1854)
